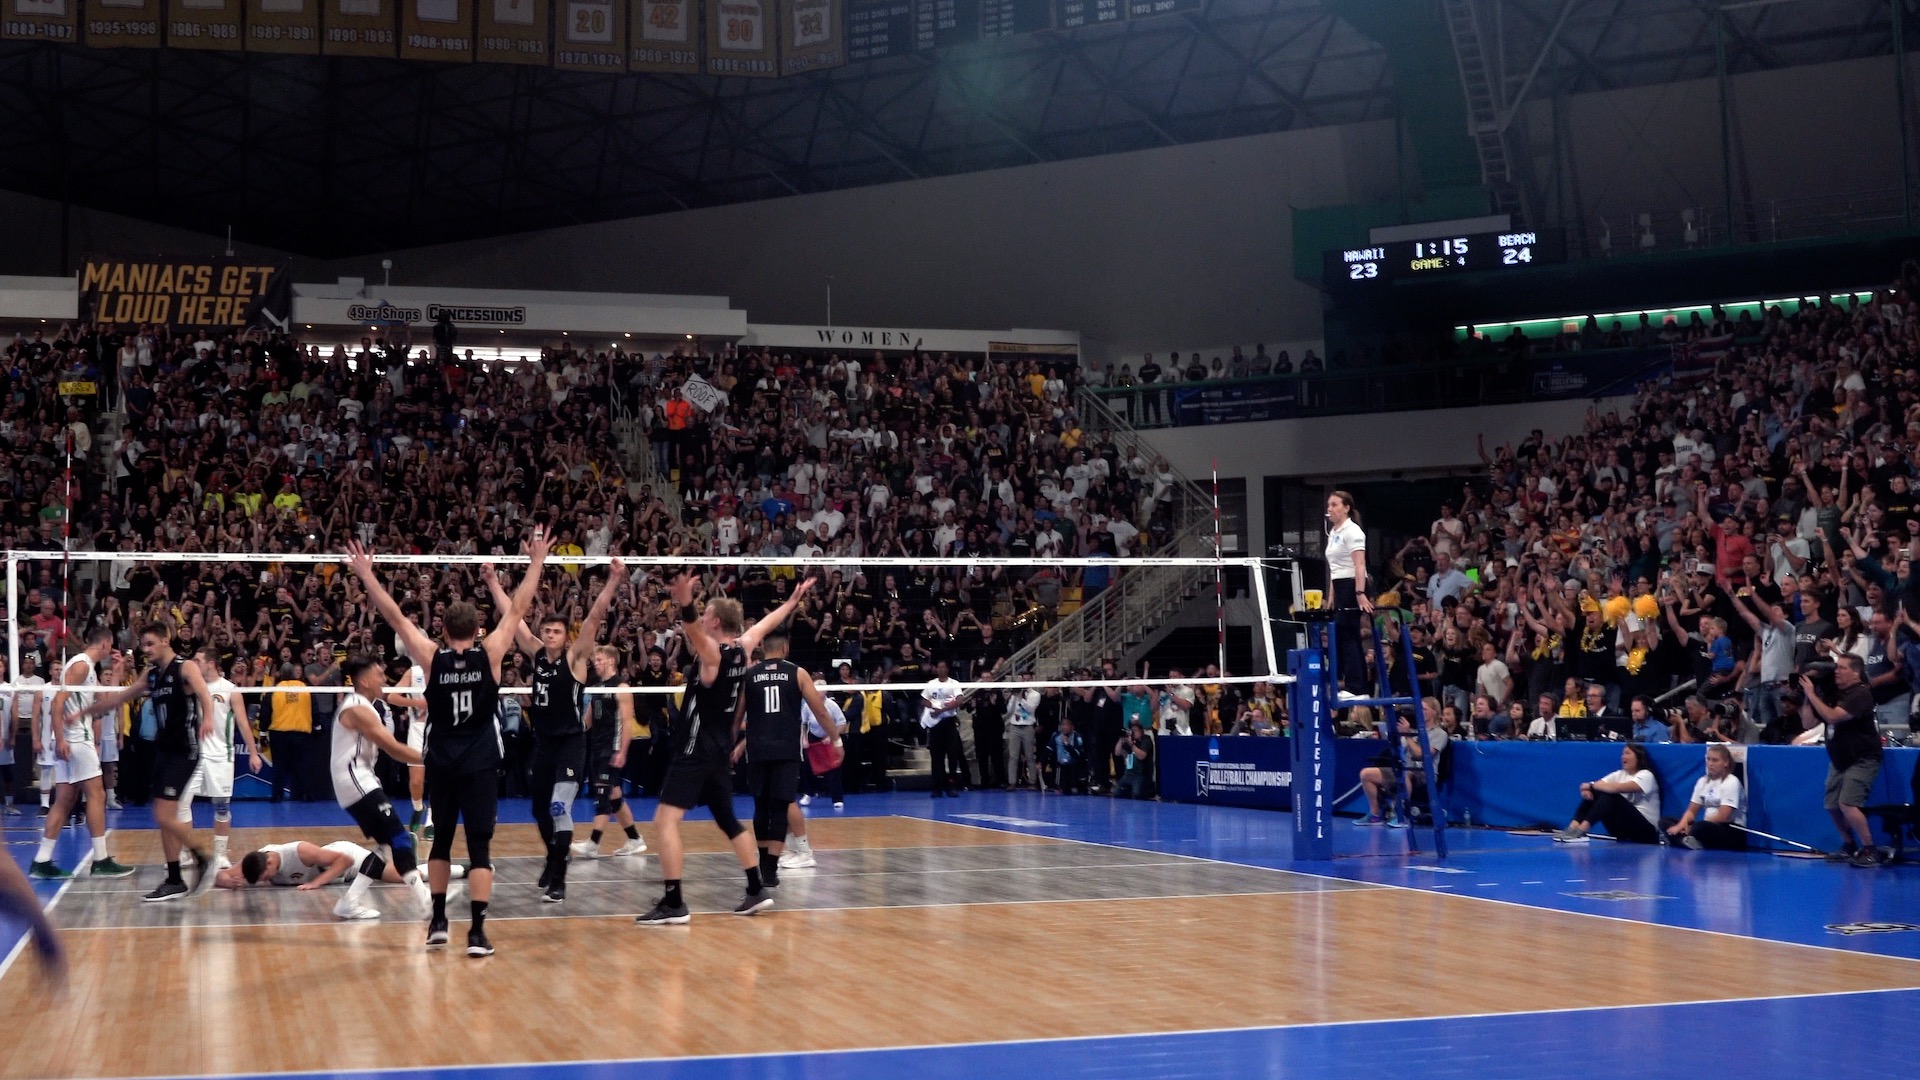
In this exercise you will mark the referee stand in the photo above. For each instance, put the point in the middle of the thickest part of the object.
(1312, 700)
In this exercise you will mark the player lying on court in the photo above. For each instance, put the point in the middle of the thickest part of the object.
(306, 866)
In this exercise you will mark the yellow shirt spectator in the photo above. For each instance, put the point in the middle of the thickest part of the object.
(287, 501)
(291, 712)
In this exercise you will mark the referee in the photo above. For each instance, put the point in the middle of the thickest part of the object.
(1347, 573)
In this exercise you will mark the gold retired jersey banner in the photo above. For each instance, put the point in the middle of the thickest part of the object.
(513, 32)
(283, 26)
(359, 28)
(40, 20)
(740, 38)
(811, 36)
(204, 24)
(664, 35)
(210, 293)
(436, 30)
(123, 24)
(591, 35)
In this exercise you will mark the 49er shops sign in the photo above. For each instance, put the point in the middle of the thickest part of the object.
(196, 293)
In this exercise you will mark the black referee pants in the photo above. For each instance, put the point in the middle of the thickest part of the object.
(1349, 651)
(949, 756)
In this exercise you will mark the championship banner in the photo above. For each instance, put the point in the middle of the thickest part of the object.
(592, 36)
(359, 28)
(811, 36)
(513, 32)
(436, 30)
(664, 35)
(123, 24)
(702, 394)
(40, 20)
(204, 24)
(283, 26)
(214, 293)
(740, 38)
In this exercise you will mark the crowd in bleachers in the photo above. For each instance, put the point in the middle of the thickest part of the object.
(1669, 573)
(263, 444)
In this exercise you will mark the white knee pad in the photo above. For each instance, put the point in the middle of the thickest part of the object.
(562, 806)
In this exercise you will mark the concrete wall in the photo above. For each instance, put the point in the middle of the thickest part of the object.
(1346, 449)
(33, 238)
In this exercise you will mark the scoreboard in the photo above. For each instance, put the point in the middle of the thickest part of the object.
(1442, 256)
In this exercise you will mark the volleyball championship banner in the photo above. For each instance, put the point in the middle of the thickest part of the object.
(40, 20)
(212, 294)
(205, 24)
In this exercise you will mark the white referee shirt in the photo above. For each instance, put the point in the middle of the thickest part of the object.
(1341, 545)
(941, 693)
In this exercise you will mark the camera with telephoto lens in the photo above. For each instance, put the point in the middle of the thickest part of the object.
(1821, 673)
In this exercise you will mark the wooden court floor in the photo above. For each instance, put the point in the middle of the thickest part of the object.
(910, 932)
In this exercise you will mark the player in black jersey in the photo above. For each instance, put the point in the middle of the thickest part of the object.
(557, 721)
(700, 770)
(183, 708)
(769, 735)
(608, 737)
(463, 733)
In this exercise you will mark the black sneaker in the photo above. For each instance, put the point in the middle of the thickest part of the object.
(478, 945)
(1845, 854)
(662, 915)
(47, 871)
(556, 893)
(437, 932)
(1865, 857)
(770, 878)
(753, 903)
(166, 890)
(203, 873)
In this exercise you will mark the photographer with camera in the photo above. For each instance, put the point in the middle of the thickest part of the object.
(1853, 752)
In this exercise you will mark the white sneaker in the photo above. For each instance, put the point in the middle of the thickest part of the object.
(224, 863)
(456, 871)
(343, 910)
(113, 803)
(797, 860)
(805, 799)
(635, 846)
(422, 895)
(585, 849)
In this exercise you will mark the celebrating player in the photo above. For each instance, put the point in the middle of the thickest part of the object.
(76, 762)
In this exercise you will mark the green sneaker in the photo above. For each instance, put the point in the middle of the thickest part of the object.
(46, 871)
(427, 834)
(107, 867)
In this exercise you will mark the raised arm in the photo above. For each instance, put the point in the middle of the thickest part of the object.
(583, 645)
(502, 602)
(362, 721)
(704, 648)
(776, 618)
(419, 646)
(512, 620)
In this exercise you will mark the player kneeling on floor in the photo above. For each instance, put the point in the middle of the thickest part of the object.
(304, 866)
(360, 735)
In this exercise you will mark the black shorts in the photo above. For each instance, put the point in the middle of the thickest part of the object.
(601, 773)
(374, 814)
(774, 781)
(472, 799)
(171, 772)
(692, 782)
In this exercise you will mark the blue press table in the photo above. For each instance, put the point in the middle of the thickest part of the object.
(1519, 784)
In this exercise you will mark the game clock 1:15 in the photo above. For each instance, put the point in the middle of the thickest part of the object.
(1442, 256)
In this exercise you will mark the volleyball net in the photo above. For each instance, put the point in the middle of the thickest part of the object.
(1070, 627)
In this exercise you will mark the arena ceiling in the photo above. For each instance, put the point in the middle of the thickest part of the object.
(333, 156)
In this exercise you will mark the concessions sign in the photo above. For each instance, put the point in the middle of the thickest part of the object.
(199, 293)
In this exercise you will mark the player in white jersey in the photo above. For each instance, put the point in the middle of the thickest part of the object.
(799, 853)
(306, 866)
(360, 735)
(76, 761)
(411, 696)
(213, 778)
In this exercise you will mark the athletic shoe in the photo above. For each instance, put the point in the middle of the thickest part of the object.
(1562, 834)
(107, 867)
(662, 915)
(1371, 820)
(585, 849)
(797, 860)
(1571, 838)
(113, 803)
(1865, 857)
(225, 863)
(1845, 854)
(752, 903)
(839, 805)
(1691, 843)
(437, 932)
(353, 912)
(1396, 823)
(427, 834)
(12, 810)
(805, 799)
(422, 895)
(46, 871)
(770, 878)
(456, 871)
(556, 893)
(635, 846)
(477, 944)
(203, 872)
(166, 890)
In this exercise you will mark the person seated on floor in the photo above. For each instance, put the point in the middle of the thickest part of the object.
(1718, 805)
(1376, 778)
(1626, 801)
